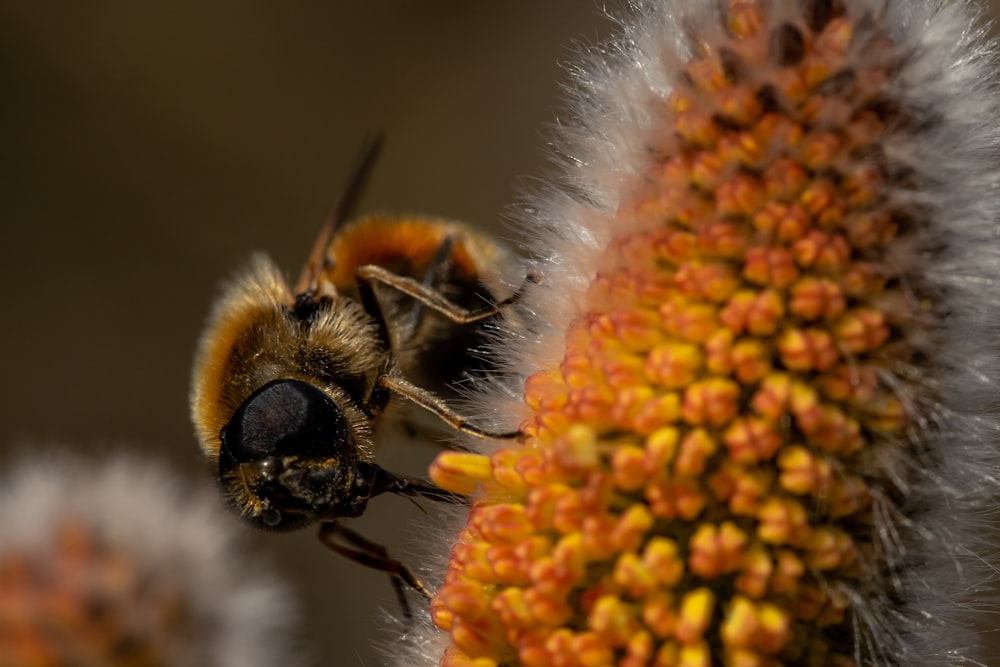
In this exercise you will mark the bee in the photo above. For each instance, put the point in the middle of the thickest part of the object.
(290, 383)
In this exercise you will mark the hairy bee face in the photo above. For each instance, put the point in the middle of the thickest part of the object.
(277, 400)
(291, 447)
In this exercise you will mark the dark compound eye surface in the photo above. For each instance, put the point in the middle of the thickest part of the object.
(284, 418)
(271, 518)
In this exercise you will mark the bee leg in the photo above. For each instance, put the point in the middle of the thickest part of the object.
(432, 403)
(438, 264)
(373, 555)
(529, 279)
(370, 273)
(409, 428)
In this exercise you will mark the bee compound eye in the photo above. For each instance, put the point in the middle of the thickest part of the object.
(285, 418)
(270, 518)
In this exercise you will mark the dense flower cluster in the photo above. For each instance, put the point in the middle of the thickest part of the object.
(708, 476)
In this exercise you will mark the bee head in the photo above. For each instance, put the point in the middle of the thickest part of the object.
(288, 457)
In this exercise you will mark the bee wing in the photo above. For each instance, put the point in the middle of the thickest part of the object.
(319, 259)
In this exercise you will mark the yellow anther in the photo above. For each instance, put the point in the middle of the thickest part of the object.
(460, 472)
(696, 610)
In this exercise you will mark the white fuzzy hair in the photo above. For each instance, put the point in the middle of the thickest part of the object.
(940, 544)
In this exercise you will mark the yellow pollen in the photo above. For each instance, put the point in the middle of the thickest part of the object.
(696, 610)
(460, 472)
(697, 480)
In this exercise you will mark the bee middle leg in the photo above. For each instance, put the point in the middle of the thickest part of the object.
(373, 555)
(435, 268)
(427, 296)
(432, 403)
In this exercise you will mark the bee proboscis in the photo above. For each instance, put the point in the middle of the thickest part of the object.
(289, 383)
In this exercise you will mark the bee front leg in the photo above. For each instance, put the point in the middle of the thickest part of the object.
(370, 273)
(373, 555)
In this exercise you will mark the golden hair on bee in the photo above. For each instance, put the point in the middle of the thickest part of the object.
(289, 383)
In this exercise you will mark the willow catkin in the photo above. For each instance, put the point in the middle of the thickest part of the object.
(760, 368)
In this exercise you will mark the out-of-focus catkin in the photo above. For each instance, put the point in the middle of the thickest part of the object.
(116, 563)
(763, 356)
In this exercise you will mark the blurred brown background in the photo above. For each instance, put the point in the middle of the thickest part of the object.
(150, 148)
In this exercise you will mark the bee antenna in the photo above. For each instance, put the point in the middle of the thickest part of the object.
(318, 259)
